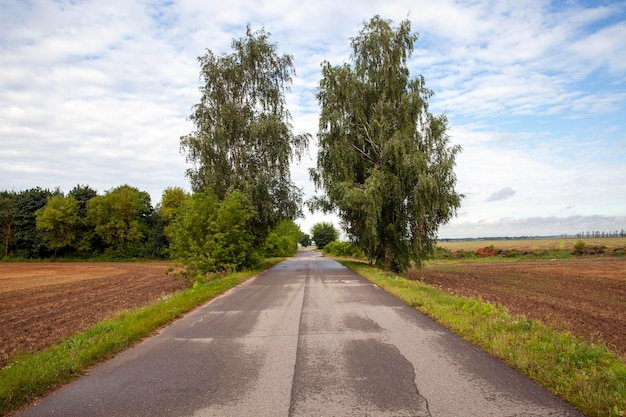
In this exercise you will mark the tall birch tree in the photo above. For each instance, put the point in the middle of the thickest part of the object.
(385, 163)
(242, 138)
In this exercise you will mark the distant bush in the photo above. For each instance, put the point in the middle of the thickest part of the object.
(512, 253)
(589, 250)
(442, 253)
(336, 248)
(466, 254)
(279, 246)
(282, 242)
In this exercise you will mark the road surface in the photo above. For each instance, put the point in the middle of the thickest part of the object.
(306, 338)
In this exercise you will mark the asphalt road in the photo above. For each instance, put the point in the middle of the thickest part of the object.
(306, 338)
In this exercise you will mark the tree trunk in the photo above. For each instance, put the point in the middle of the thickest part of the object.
(387, 260)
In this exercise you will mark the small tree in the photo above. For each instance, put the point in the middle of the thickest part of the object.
(283, 240)
(26, 239)
(323, 233)
(59, 219)
(209, 235)
(306, 240)
(87, 242)
(120, 218)
(173, 200)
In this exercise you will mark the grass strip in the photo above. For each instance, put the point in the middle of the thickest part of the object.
(586, 375)
(29, 376)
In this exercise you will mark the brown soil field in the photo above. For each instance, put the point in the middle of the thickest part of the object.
(44, 302)
(586, 296)
(41, 303)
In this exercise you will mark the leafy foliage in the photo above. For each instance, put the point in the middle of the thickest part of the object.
(155, 243)
(172, 199)
(210, 235)
(87, 242)
(283, 240)
(27, 240)
(120, 219)
(306, 240)
(82, 194)
(7, 200)
(59, 218)
(384, 162)
(242, 138)
(337, 248)
(323, 233)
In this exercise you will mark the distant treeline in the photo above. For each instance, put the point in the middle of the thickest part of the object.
(122, 223)
(41, 223)
(598, 234)
(581, 235)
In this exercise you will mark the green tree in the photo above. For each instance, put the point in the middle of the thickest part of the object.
(306, 240)
(172, 199)
(82, 194)
(155, 244)
(385, 163)
(283, 240)
(209, 235)
(243, 136)
(87, 242)
(26, 240)
(58, 218)
(323, 233)
(7, 200)
(120, 218)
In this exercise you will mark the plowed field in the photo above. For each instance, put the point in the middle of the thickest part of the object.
(586, 296)
(43, 302)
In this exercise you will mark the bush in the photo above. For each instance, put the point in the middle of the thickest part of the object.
(442, 253)
(211, 236)
(336, 248)
(279, 246)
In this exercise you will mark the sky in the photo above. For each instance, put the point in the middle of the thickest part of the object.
(99, 93)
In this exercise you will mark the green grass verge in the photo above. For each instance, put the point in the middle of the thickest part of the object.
(584, 374)
(29, 376)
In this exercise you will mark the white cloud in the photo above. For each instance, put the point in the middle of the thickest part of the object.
(98, 93)
(503, 194)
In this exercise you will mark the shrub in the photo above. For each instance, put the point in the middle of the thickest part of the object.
(279, 246)
(211, 236)
(442, 253)
(336, 248)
